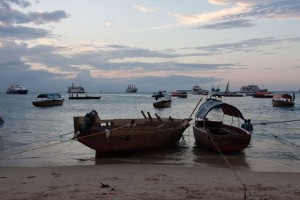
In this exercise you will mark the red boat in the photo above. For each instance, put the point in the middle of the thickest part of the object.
(179, 94)
(220, 135)
(283, 100)
(263, 95)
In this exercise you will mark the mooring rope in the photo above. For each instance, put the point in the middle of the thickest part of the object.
(44, 140)
(275, 122)
(235, 173)
(34, 148)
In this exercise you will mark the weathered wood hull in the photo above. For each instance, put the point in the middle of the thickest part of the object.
(119, 136)
(162, 104)
(279, 103)
(222, 137)
(48, 103)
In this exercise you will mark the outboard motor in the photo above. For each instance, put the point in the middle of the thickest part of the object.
(89, 120)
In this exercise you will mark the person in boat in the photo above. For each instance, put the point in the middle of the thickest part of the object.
(247, 125)
(293, 97)
(89, 120)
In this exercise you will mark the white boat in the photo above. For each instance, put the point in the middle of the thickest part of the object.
(16, 89)
(131, 89)
(76, 89)
(250, 90)
(198, 90)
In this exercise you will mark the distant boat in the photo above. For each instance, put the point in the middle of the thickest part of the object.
(215, 90)
(220, 135)
(163, 100)
(198, 90)
(48, 100)
(263, 95)
(227, 93)
(2, 122)
(179, 94)
(250, 90)
(76, 89)
(283, 100)
(82, 97)
(16, 89)
(131, 89)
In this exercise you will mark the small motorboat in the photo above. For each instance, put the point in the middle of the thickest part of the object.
(48, 100)
(162, 100)
(179, 94)
(283, 100)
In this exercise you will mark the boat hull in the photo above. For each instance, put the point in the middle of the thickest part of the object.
(17, 92)
(48, 103)
(162, 104)
(143, 135)
(278, 103)
(224, 138)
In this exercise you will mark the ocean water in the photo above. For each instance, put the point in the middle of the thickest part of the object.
(43, 136)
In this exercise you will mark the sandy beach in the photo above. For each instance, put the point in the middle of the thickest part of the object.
(144, 181)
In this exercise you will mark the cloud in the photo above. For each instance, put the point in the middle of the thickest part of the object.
(22, 32)
(238, 23)
(145, 9)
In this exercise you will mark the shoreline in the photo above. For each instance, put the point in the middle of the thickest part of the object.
(145, 181)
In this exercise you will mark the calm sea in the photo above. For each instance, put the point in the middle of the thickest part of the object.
(39, 136)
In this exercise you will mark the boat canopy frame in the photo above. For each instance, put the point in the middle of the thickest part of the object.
(211, 104)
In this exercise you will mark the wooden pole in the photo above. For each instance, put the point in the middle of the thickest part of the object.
(195, 108)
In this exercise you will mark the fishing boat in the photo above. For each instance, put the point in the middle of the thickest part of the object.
(76, 89)
(222, 133)
(197, 90)
(263, 95)
(283, 100)
(162, 100)
(82, 97)
(179, 94)
(118, 136)
(131, 89)
(48, 100)
(16, 89)
(2, 122)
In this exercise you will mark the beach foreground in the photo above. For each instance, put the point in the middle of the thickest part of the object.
(139, 181)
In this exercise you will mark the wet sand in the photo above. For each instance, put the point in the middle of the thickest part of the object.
(145, 181)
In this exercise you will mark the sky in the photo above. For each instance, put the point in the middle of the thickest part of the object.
(47, 45)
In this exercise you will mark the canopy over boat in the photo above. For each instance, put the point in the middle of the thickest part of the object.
(210, 104)
(284, 96)
(50, 96)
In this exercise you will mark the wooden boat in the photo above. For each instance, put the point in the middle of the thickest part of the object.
(48, 100)
(263, 95)
(82, 97)
(163, 100)
(118, 136)
(283, 100)
(179, 94)
(223, 135)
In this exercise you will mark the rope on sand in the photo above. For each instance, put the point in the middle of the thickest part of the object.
(229, 165)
